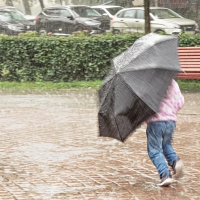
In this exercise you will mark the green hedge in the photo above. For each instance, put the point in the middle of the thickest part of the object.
(74, 58)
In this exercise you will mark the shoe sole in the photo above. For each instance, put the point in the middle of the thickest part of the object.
(166, 183)
(179, 169)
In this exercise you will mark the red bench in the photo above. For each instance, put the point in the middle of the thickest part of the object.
(189, 58)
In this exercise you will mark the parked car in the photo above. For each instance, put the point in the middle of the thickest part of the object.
(11, 8)
(67, 19)
(12, 23)
(108, 10)
(162, 20)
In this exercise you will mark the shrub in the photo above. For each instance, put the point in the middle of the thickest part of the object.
(51, 58)
(75, 58)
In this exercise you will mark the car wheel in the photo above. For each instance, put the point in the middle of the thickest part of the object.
(78, 28)
(115, 31)
(3, 32)
(160, 32)
(42, 31)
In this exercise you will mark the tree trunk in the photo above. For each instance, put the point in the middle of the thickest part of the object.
(68, 2)
(9, 3)
(197, 8)
(129, 3)
(41, 3)
(156, 3)
(147, 17)
(27, 7)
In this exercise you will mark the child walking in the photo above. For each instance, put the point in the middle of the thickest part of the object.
(159, 132)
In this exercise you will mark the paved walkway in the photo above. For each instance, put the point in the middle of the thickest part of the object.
(49, 149)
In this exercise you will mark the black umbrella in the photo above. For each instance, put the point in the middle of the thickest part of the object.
(136, 84)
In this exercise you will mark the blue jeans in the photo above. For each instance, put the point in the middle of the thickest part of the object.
(159, 147)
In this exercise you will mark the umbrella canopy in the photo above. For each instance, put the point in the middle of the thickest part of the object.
(136, 84)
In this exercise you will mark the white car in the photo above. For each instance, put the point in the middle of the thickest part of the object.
(162, 20)
(107, 10)
(11, 8)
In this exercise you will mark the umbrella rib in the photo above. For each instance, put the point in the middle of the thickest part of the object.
(148, 69)
(113, 79)
(124, 80)
(141, 53)
(116, 122)
(112, 110)
(117, 128)
(107, 93)
(131, 88)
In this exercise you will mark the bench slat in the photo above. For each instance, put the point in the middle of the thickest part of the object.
(188, 78)
(190, 66)
(189, 71)
(193, 62)
(189, 58)
(187, 48)
(189, 74)
(188, 53)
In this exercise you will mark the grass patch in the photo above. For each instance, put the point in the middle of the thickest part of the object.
(189, 85)
(186, 85)
(46, 86)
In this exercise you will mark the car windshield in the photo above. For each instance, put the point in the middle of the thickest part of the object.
(164, 14)
(114, 10)
(85, 12)
(14, 10)
(11, 16)
(18, 11)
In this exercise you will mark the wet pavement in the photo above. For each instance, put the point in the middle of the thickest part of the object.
(50, 149)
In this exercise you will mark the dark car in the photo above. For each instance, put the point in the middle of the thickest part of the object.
(12, 23)
(67, 19)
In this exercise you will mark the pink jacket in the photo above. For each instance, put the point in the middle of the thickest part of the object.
(170, 105)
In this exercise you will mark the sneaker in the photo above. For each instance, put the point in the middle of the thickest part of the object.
(166, 180)
(177, 167)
